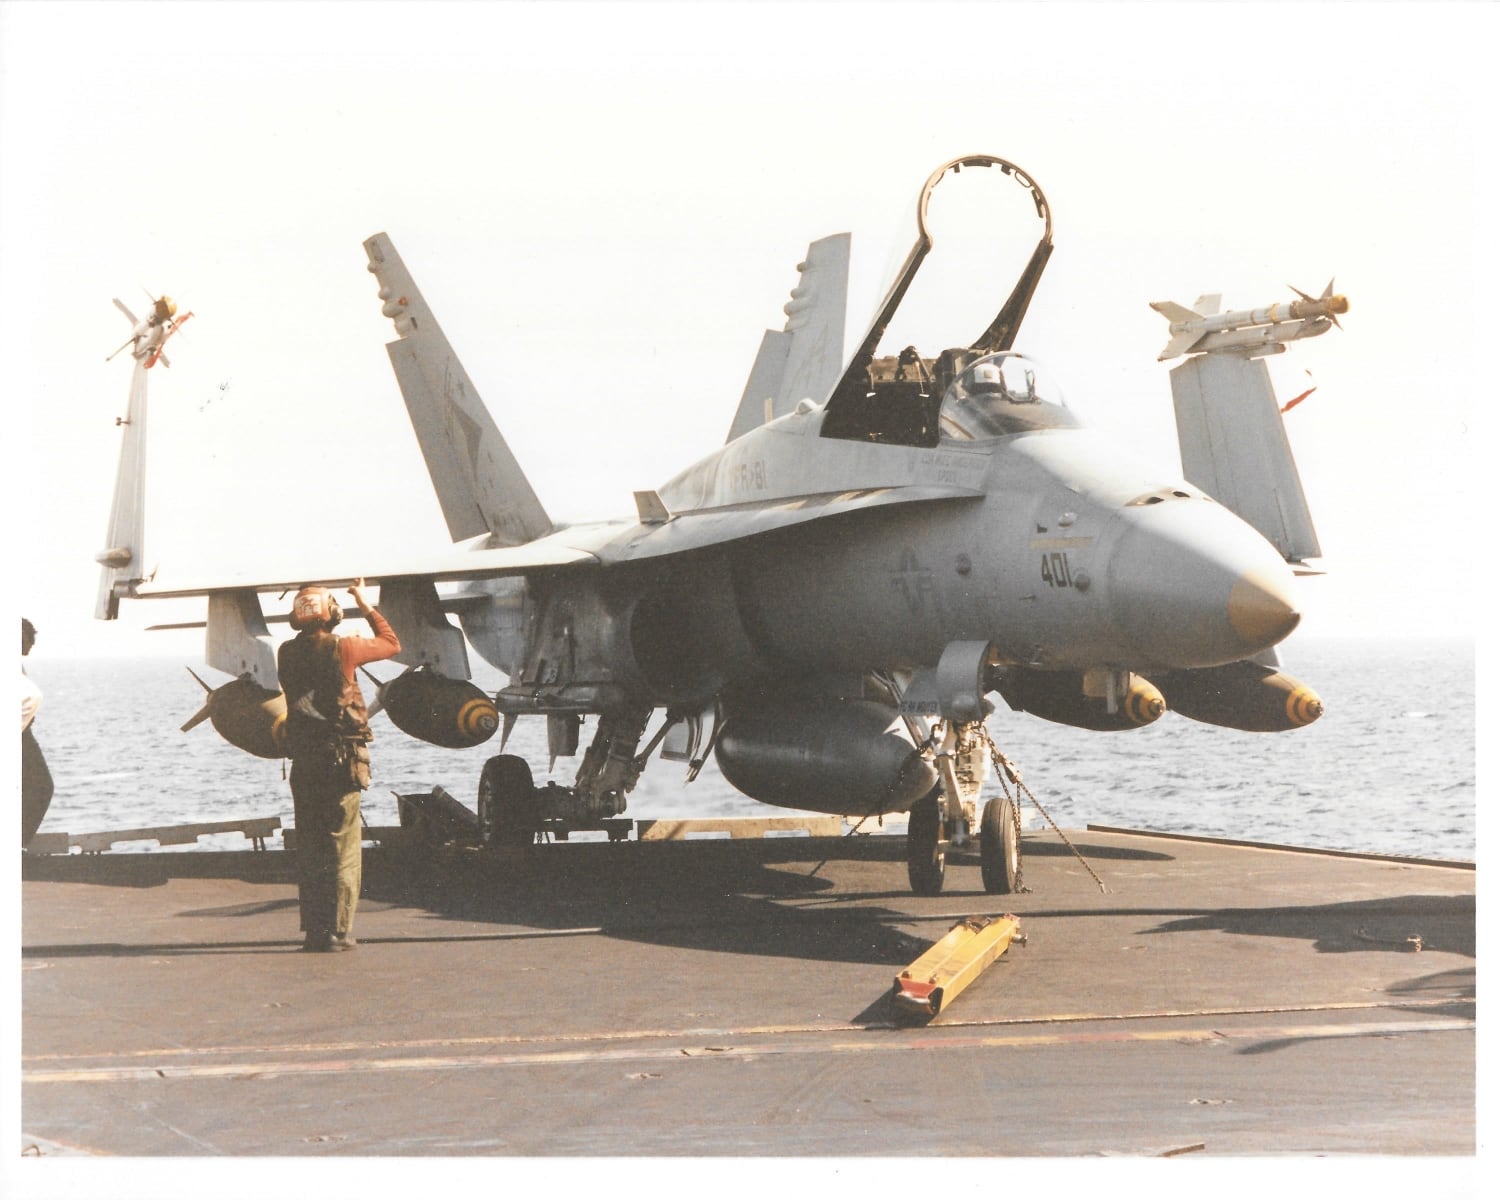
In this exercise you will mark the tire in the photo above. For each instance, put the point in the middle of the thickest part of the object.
(1000, 846)
(507, 802)
(926, 858)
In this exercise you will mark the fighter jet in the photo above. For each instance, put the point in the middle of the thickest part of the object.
(827, 603)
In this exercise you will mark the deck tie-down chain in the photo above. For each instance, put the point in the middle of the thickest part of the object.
(1007, 771)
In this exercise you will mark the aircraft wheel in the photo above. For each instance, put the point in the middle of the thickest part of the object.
(507, 802)
(1000, 845)
(925, 856)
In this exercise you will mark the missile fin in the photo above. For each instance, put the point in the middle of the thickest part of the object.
(378, 703)
(1181, 343)
(201, 684)
(1175, 312)
(198, 717)
(1333, 312)
(507, 724)
(1207, 306)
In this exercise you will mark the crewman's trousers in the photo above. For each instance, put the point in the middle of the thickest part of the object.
(325, 805)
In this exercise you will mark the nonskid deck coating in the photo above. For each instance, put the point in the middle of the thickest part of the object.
(715, 998)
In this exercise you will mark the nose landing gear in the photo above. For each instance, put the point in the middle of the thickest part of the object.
(946, 816)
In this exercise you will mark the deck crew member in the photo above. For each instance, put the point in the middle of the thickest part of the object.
(327, 738)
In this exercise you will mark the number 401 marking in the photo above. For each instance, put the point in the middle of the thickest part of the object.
(1056, 570)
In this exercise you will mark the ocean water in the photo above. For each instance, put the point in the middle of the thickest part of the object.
(1390, 767)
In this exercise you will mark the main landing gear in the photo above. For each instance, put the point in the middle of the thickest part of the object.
(513, 811)
(508, 812)
(945, 818)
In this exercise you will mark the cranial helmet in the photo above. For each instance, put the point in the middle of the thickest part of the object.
(314, 606)
(986, 377)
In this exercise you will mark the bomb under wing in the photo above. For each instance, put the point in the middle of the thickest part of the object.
(1241, 695)
(1067, 698)
(245, 715)
(452, 713)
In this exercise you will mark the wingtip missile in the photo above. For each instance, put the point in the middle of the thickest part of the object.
(1266, 329)
(150, 334)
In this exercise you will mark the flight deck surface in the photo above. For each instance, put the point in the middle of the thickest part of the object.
(731, 998)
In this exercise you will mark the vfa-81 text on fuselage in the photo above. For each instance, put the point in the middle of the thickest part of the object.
(825, 603)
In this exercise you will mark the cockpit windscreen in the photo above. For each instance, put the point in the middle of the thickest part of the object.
(1001, 394)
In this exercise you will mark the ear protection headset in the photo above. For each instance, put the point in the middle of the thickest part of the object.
(313, 606)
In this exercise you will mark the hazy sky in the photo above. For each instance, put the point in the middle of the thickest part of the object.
(605, 206)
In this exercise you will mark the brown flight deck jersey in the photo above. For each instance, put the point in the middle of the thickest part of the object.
(307, 664)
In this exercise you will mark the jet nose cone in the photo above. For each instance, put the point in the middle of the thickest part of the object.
(1191, 585)
(1260, 610)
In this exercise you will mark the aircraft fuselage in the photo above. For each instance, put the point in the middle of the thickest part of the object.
(1049, 545)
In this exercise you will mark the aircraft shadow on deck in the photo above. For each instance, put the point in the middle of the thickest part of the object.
(730, 902)
(1399, 924)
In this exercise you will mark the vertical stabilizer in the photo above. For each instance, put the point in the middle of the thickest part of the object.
(478, 481)
(758, 403)
(123, 558)
(803, 361)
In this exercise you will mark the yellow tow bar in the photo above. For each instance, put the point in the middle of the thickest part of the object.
(931, 983)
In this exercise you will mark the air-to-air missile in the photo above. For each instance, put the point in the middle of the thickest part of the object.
(1202, 328)
(446, 712)
(245, 715)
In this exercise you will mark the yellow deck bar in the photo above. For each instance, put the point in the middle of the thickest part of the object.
(931, 983)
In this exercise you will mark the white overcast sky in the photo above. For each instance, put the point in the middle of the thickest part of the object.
(605, 206)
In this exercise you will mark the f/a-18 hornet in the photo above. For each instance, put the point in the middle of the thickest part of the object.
(826, 602)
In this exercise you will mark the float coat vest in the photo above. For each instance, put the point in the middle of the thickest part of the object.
(323, 708)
